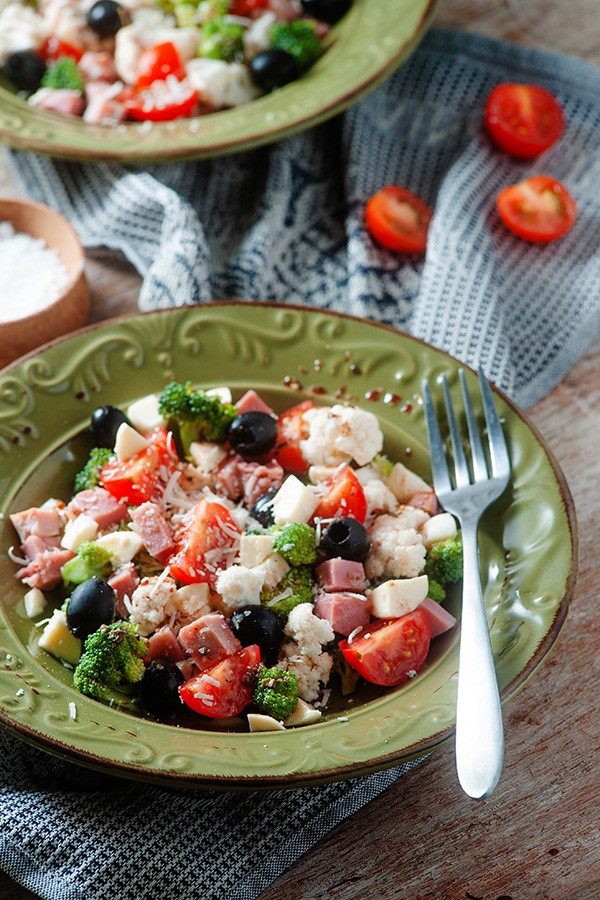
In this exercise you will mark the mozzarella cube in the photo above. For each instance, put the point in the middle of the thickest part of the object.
(35, 603)
(403, 483)
(304, 714)
(438, 528)
(144, 414)
(128, 442)
(78, 531)
(317, 474)
(294, 502)
(122, 544)
(254, 549)
(395, 598)
(223, 393)
(58, 640)
(260, 722)
(273, 568)
(206, 456)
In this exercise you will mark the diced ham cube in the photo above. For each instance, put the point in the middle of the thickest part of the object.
(98, 66)
(344, 611)
(440, 620)
(43, 523)
(165, 646)
(155, 531)
(43, 572)
(209, 640)
(100, 506)
(60, 100)
(34, 544)
(341, 575)
(426, 500)
(251, 402)
(124, 582)
(239, 478)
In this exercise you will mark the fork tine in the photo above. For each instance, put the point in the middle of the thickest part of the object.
(461, 467)
(498, 449)
(441, 476)
(480, 470)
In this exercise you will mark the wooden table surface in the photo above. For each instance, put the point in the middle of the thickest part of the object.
(538, 836)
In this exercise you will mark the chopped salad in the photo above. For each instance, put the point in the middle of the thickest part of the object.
(220, 557)
(113, 61)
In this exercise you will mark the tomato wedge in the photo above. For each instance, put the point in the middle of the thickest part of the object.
(539, 209)
(53, 48)
(343, 496)
(390, 649)
(224, 690)
(163, 101)
(523, 119)
(210, 534)
(292, 429)
(157, 62)
(143, 476)
(398, 219)
(247, 7)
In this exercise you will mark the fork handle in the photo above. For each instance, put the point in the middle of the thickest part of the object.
(479, 731)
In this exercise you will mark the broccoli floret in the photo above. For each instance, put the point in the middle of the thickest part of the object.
(112, 656)
(63, 75)
(223, 40)
(297, 543)
(89, 477)
(444, 560)
(197, 415)
(296, 587)
(435, 591)
(298, 38)
(91, 559)
(276, 693)
(347, 675)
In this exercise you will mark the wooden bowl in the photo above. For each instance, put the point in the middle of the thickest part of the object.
(70, 310)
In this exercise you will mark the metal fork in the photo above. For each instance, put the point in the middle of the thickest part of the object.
(474, 485)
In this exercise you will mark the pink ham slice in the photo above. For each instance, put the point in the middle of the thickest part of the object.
(425, 500)
(251, 402)
(440, 620)
(341, 575)
(154, 530)
(124, 582)
(208, 640)
(43, 572)
(344, 611)
(60, 100)
(40, 523)
(239, 479)
(164, 645)
(100, 506)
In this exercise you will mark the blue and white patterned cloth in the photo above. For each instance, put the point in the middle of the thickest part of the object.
(285, 223)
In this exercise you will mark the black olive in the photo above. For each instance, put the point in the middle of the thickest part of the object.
(159, 688)
(271, 69)
(347, 538)
(253, 434)
(262, 510)
(106, 421)
(330, 11)
(106, 17)
(25, 70)
(92, 604)
(259, 625)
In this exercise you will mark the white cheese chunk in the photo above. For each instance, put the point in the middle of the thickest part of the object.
(35, 603)
(223, 393)
(254, 549)
(438, 528)
(122, 544)
(144, 414)
(397, 597)
(58, 640)
(260, 722)
(404, 483)
(128, 442)
(304, 714)
(78, 531)
(206, 456)
(274, 568)
(294, 502)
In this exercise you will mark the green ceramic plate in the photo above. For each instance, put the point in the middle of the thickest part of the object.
(527, 539)
(372, 40)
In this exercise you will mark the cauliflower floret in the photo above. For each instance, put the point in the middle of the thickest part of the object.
(256, 36)
(338, 434)
(303, 655)
(377, 494)
(20, 29)
(396, 550)
(411, 517)
(221, 84)
(154, 603)
(240, 586)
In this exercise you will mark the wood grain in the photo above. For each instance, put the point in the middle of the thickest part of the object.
(537, 837)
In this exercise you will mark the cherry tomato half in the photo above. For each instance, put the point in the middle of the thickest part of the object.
(291, 430)
(53, 49)
(225, 689)
(343, 496)
(398, 219)
(157, 62)
(539, 209)
(389, 649)
(523, 119)
(163, 101)
(209, 536)
(141, 477)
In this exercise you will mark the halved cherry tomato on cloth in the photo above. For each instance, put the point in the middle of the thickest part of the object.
(343, 496)
(211, 533)
(53, 49)
(157, 62)
(388, 650)
(523, 119)
(143, 476)
(226, 689)
(398, 219)
(163, 101)
(539, 209)
(292, 429)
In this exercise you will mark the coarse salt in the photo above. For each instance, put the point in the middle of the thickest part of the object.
(33, 276)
